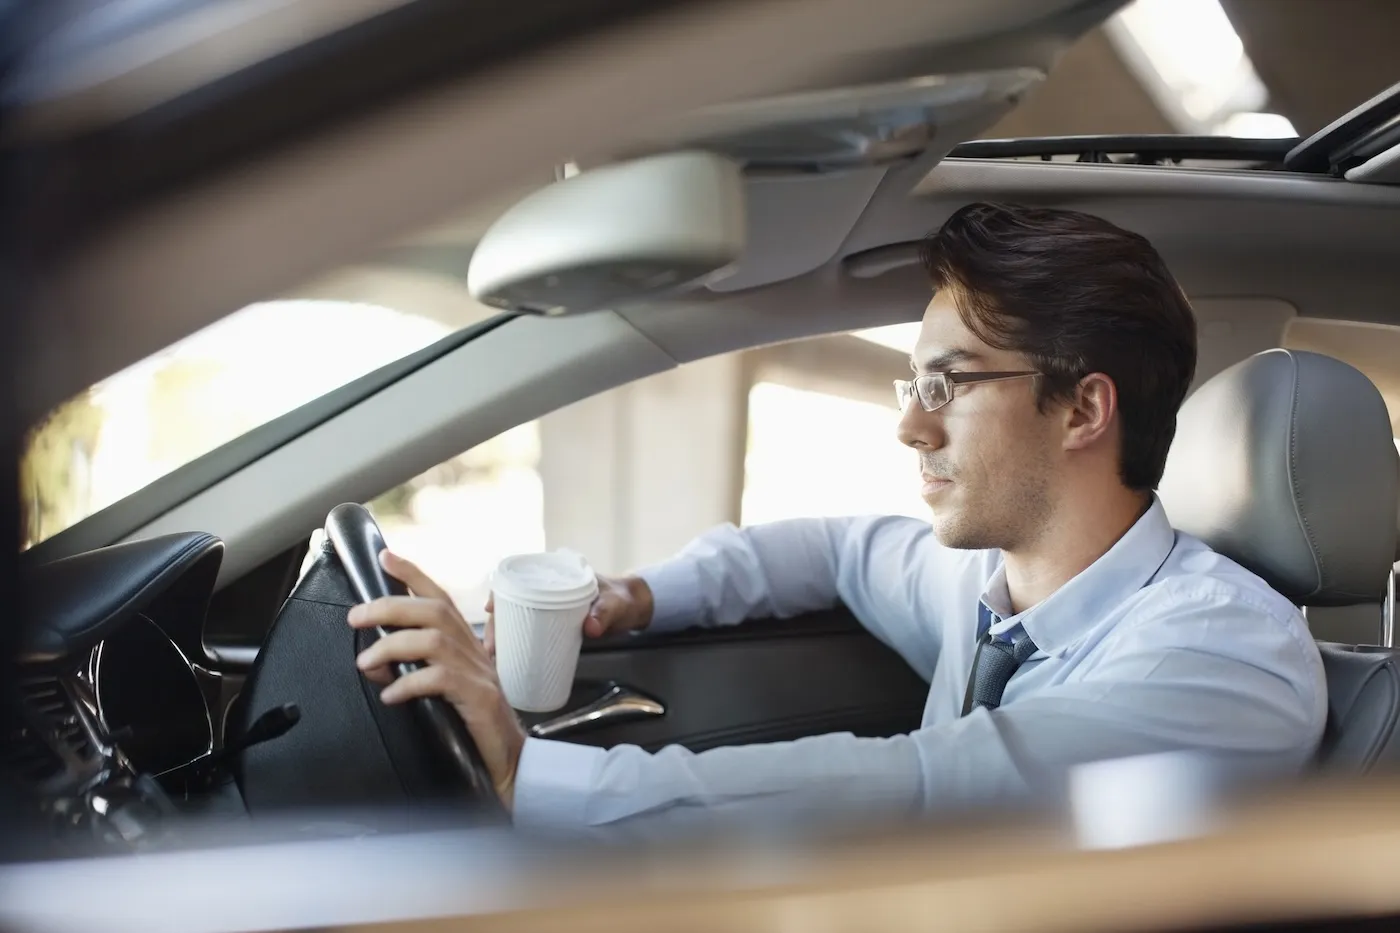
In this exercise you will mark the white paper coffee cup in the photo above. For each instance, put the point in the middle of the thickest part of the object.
(541, 601)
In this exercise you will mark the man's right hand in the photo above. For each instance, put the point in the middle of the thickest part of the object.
(624, 604)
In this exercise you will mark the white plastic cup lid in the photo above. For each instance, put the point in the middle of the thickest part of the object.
(550, 580)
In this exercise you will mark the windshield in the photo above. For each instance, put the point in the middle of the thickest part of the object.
(251, 367)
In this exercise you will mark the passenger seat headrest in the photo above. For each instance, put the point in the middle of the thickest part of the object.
(1286, 463)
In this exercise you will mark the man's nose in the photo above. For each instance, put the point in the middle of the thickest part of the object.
(922, 430)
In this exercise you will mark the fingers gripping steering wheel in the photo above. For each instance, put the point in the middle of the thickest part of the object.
(357, 541)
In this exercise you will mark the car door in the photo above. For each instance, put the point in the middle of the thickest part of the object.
(766, 680)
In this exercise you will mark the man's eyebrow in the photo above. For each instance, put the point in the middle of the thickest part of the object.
(940, 361)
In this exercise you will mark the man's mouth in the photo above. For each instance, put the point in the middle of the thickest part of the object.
(934, 484)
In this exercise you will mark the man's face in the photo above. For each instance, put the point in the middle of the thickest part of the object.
(988, 458)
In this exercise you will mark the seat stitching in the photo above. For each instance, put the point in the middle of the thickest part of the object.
(1300, 511)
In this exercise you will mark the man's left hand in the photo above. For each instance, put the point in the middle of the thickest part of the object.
(458, 669)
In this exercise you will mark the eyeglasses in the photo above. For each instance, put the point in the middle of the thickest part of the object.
(934, 390)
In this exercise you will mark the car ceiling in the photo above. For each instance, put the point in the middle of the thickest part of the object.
(168, 228)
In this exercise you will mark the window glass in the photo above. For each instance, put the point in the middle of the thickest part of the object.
(610, 475)
(812, 453)
(240, 373)
(458, 519)
(813, 435)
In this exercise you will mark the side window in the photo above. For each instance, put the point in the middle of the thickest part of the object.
(458, 519)
(821, 428)
(235, 375)
(805, 428)
(629, 476)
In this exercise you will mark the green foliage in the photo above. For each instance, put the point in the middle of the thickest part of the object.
(397, 503)
(188, 417)
(54, 469)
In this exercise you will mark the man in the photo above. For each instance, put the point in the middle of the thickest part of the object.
(1055, 612)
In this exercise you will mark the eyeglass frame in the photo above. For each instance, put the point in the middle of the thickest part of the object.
(909, 388)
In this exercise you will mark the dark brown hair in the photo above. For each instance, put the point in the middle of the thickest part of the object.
(1076, 295)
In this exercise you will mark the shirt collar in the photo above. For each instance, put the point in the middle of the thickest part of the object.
(1055, 624)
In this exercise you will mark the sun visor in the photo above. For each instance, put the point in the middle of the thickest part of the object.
(614, 235)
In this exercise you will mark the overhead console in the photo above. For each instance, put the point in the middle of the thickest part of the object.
(696, 200)
(842, 128)
(614, 235)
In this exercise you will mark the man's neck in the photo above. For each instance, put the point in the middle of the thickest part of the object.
(1072, 540)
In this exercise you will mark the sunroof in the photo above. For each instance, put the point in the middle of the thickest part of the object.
(1353, 139)
(1363, 146)
(1175, 150)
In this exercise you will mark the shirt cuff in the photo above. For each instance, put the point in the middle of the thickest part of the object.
(676, 595)
(552, 784)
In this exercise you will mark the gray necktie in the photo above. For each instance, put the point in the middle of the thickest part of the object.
(992, 668)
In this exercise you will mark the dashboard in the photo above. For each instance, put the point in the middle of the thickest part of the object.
(120, 706)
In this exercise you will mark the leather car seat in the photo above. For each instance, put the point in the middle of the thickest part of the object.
(1286, 463)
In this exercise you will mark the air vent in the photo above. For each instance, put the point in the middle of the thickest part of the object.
(46, 697)
(56, 710)
(52, 741)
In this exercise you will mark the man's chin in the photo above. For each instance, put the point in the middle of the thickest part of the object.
(951, 532)
(942, 521)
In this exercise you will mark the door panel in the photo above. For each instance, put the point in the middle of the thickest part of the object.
(763, 681)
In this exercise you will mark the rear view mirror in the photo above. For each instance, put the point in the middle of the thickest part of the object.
(614, 235)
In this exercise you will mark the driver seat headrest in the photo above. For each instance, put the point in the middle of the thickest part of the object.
(1286, 463)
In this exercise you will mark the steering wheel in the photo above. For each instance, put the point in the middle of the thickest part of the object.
(357, 541)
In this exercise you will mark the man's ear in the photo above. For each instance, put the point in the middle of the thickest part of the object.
(1091, 411)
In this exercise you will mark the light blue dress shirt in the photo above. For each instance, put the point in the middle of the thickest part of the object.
(1160, 645)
